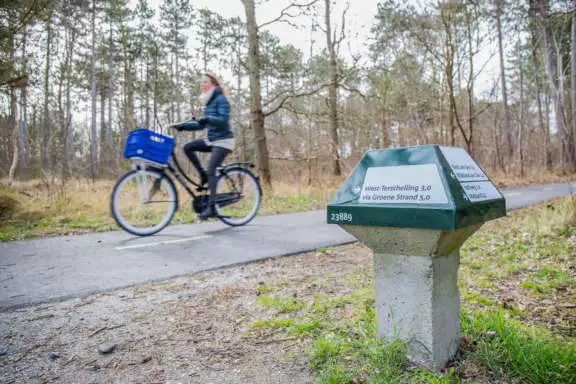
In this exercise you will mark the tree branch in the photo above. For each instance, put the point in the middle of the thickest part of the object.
(342, 33)
(353, 90)
(293, 96)
(284, 13)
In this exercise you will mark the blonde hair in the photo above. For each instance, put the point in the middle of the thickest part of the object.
(217, 83)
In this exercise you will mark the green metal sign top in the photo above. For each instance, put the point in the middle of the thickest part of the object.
(417, 187)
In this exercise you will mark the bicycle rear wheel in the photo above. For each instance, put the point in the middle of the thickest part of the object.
(143, 202)
(238, 196)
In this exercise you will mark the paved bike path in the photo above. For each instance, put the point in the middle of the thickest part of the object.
(37, 271)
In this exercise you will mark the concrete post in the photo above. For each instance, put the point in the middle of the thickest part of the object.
(416, 291)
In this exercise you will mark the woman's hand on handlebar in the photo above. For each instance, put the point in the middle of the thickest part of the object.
(190, 125)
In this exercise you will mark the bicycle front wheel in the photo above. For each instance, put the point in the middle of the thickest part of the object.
(144, 201)
(238, 196)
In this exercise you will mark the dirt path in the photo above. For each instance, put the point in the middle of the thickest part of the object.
(189, 330)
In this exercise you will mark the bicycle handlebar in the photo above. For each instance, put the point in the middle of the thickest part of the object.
(190, 125)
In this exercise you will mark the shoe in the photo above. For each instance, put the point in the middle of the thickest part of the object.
(207, 213)
(203, 179)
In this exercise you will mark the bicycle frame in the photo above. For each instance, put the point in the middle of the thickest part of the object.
(179, 174)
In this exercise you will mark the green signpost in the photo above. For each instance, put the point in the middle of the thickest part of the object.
(414, 207)
(418, 187)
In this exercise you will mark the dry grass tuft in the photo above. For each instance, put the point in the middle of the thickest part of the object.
(9, 205)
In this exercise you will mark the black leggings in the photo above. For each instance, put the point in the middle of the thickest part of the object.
(216, 158)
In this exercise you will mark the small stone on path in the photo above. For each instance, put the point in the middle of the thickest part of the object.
(106, 348)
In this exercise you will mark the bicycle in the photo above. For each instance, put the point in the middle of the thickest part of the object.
(144, 200)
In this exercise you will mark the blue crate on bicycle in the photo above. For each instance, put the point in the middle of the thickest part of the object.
(147, 145)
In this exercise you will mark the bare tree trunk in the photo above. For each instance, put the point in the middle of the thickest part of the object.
(23, 132)
(46, 136)
(129, 93)
(561, 87)
(13, 117)
(104, 150)
(172, 74)
(93, 133)
(238, 110)
(553, 83)
(155, 91)
(110, 88)
(61, 124)
(178, 91)
(470, 83)
(521, 126)
(536, 71)
(256, 114)
(499, 159)
(507, 127)
(141, 105)
(384, 130)
(68, 123)
(547, 102)
(15, 135)
(332, 93)
(448, 56)
(147, 96)
(573, 75)
(452, 124)
(309, 151)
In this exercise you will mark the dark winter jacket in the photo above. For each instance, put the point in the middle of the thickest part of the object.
(217, 115)
(215, 118)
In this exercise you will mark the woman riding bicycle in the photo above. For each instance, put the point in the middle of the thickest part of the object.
(219, 141)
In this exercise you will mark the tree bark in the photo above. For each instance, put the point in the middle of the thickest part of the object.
(538, 82)
(470, 83)
(155, 90)
(110, 87)
(449, 56)
(238, 109)
(46, 124)
(521, 125)
(23, 132)
(128, 89)
(498, 157)
(15, 135)
(68, 123)
(309, 151)
(256, 114)
(332, 94)
(549, 51)
(573, 76)
(93, 132)
(13, 118)
(384, 129)
(507, 127)
(60, 130)
(172, 74)
(147, 96)
(104, 150)
(178, 91)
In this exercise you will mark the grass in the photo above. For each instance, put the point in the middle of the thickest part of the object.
(38, 209)
(517, 353)
(280, 304)
(510, 331)
(40, 212)
(34, 209)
